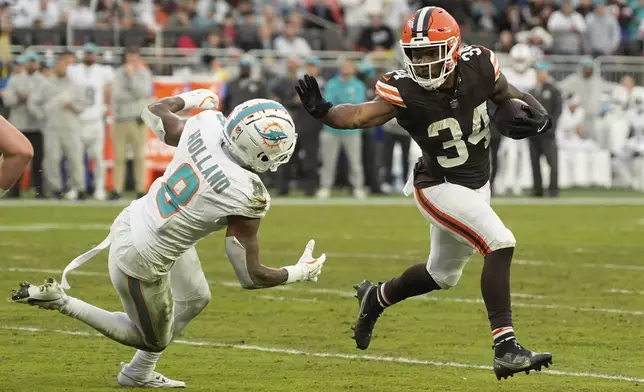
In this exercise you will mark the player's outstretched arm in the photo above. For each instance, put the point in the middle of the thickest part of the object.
(162, 119)
(15, 153)
(242, 249)
(345, 116)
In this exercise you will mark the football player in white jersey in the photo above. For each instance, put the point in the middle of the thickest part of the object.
(523, 76)
(95, 79)
(211, 184)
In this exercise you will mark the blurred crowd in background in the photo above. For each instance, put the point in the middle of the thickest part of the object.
(258, 49)
(597, 27)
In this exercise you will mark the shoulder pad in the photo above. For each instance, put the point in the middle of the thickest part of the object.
(485, 57)
(390, 86)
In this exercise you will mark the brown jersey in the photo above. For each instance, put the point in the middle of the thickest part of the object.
(451, 127)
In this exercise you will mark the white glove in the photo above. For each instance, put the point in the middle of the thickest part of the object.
(308, 267)
(202, 98)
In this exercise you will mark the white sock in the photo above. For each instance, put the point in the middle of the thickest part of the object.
(143, 363)
(115, 325)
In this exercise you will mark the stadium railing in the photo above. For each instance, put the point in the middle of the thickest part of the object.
(164, 60)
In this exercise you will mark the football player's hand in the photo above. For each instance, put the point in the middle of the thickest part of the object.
(202, 98)
(532, 124)
(311, 266)
(311, 97)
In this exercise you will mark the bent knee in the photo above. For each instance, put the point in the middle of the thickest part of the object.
(201, 302)
(444, 279)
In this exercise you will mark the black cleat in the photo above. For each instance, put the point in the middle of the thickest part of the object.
(368, 314)
(511, 358)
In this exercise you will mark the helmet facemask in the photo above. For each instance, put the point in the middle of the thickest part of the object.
(430, 63)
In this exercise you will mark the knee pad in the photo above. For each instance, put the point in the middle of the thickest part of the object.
(191, 308)
(445, 279)
(503, 239)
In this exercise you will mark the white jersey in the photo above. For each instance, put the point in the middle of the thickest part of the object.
(92, 79)
(526, 81)
(201, 187)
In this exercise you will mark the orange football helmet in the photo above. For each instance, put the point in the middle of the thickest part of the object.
(430, 42)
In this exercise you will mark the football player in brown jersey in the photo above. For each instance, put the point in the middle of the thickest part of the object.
(440, 99)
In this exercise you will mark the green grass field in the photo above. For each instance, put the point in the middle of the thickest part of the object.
(577, 285)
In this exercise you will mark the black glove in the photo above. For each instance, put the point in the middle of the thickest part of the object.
(535, 123)
(311, 97)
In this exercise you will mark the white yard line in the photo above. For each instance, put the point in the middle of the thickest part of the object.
(371, 358)
(344, 293)
(623, 291)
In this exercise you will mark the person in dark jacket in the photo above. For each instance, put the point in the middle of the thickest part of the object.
(243, 88)
(550, 97)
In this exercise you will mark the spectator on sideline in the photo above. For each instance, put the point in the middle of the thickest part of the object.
(59, 104)
(343, 88)
(589, 86)
(244, 87)
(546, 145)
(377, 35)
(16, 96)
(568, 28)
(289, 44)
(288, 97)
(604, 34)
(132, 91)
(308, 137)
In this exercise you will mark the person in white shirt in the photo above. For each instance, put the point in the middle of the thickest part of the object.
(210, 185)
(290, 44)
(95, 79)
(568, 28)
(24, 13)
(82, 16)
(514, 154)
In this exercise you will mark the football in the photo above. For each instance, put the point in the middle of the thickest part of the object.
(507, 111)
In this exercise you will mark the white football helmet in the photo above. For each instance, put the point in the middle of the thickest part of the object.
(261, 134)
(521, 57)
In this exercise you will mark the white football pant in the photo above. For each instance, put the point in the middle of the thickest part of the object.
(461, 223)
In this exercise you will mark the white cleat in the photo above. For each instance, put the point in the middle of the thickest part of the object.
(100, 195)
(72, 195)
(154, 380)
(359, 194)
(323, 194)
(47, 296)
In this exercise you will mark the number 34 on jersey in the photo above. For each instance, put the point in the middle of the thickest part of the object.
(480, 131)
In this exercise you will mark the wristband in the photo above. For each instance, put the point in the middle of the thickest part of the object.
(295, 274)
